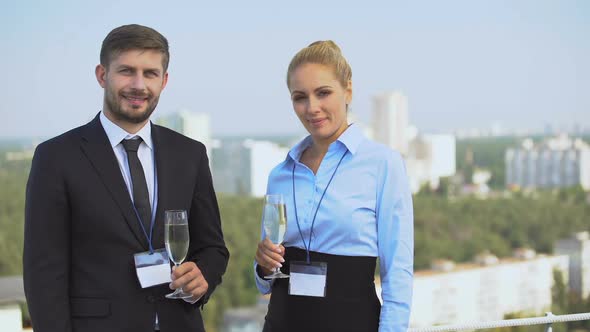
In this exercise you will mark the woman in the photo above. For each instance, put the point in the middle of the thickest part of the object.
(348, 203)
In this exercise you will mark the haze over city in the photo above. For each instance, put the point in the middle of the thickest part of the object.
(462, 64)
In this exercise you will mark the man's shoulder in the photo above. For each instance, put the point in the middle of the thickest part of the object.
(174, 138)
(60, 148)
(70, 137)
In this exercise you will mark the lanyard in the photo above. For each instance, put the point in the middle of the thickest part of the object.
(308, 245)
(154, 206)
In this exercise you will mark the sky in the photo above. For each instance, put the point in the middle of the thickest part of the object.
(462, 64)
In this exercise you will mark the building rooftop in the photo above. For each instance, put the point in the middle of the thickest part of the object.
(473, 266)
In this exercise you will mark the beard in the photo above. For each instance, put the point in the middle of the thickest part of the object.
(112, 101)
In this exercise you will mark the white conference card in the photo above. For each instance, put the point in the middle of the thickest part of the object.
(308, 279)
(153, 268)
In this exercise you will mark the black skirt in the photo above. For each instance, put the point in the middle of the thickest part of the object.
(350, 304)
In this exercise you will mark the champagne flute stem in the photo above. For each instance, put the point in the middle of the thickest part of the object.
(177, 290)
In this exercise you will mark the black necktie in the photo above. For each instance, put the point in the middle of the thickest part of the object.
(140, 191)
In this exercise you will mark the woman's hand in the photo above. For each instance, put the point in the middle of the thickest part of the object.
(269, 256)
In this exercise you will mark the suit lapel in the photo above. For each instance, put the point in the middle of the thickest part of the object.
(163, 162)
(97, 148)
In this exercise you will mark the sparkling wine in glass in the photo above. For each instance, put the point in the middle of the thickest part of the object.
(274, 220)
(176, 237)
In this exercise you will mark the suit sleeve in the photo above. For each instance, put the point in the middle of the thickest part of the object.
(46, 256)
(208, 248)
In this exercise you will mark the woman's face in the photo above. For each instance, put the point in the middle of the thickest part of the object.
(320, 100)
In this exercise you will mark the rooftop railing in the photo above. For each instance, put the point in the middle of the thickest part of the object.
(547, 320)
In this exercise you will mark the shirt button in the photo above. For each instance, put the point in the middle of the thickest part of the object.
(151, 299)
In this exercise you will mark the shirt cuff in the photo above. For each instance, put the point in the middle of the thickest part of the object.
(263, 285)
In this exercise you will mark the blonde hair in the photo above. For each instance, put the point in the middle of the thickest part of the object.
(323, 52)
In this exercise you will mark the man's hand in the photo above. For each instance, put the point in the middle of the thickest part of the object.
(189, 277)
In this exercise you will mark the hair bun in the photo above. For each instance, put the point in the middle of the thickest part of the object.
(324, 52)
(326, 44)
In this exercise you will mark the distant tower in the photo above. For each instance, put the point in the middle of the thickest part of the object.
(390, 120)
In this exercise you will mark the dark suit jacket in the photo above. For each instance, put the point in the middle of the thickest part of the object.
(81, 233)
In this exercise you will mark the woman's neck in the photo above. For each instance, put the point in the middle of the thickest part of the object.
(319, 148)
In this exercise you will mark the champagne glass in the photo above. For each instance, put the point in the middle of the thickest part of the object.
(274, 220)
(176, 238)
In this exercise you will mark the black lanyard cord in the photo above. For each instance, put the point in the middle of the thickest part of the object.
(308, 245)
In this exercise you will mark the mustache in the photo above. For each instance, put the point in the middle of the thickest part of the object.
(136, 93)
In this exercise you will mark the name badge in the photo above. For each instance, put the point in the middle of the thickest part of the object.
(152, 268)
(308, 279)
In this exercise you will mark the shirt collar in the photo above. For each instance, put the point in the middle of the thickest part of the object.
(351, 138)
(116, 134)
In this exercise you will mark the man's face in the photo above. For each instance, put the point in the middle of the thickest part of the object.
(132, 85)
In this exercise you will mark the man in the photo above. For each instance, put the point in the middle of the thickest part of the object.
(96, 198)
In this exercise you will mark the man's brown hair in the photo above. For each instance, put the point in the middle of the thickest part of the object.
(133, 37)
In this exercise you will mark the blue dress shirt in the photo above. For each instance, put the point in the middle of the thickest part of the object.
(366, 211)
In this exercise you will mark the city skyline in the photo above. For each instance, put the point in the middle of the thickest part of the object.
(461, 65)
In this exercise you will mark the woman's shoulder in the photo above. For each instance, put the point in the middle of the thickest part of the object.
(379, 152)
(279, 169)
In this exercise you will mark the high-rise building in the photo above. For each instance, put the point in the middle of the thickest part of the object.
(191, 124)
(243, 166)
(263, 157)
(429, 158)
(558, 162)
(443, 156)
(578, 249)
(390, 120)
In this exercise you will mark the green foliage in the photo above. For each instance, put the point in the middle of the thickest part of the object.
(487, 153)
(559, 299)
(241, 227)
(460, 228)
(559, 294)
(13, 177)
(578, 305)
(516, 315)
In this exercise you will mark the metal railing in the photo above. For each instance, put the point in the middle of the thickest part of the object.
(548, 320)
